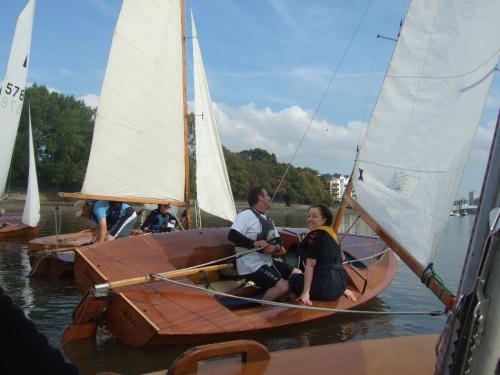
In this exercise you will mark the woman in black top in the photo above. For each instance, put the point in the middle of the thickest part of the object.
(324, 277)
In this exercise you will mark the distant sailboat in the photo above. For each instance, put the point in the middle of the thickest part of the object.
(11, 103)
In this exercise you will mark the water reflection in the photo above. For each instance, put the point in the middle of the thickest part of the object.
(50, 302)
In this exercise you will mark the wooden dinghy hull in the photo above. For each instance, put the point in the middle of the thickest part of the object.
(165, 313)
(13, 228)
(53, 256)
(47, 255)
(409, 355)
(61, 241)
(47, 264)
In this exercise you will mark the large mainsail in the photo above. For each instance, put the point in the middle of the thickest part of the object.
(31, 213)
(419, 137)
(213, 189)
(138, 144)
(13, 89)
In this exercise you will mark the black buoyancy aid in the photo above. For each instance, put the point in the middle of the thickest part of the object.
(330, 240)
(113, 214)
(267, 226)
(161, 223)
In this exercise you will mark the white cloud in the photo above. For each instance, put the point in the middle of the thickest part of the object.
(49, 89)
(326, 146)
(90, 100)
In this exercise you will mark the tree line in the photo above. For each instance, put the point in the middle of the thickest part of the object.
(62, 132)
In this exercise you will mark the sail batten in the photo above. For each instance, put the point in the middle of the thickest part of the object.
(138, 144)
(213, 188)
(13, 89)
(419, 137)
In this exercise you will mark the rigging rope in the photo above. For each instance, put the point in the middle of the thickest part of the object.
(323, 96)
(294, 306)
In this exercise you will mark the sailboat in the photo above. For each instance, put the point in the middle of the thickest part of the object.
(119, 266)
(469, 342)
(156, 123)
(11, 103)
(406, 177)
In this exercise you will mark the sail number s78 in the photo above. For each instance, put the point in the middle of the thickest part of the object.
(12, 96)
(13, 90)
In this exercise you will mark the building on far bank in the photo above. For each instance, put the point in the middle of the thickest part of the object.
(337, 183)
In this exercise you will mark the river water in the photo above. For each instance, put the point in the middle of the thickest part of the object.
(50, 302)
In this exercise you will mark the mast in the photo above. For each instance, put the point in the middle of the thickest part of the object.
(186, 120)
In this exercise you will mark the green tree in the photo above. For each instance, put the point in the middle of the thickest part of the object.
(62, 132)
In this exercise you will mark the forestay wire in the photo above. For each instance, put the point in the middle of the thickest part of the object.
(323, 96)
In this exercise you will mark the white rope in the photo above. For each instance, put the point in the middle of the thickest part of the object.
(294, 306)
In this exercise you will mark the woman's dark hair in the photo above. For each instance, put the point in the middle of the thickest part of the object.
(324, 212)
(253, 195)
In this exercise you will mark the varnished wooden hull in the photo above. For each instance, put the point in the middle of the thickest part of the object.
(61, 241)
(58, 264)
(16, 229)
(45, 264)
(164, 313)
(409, 355)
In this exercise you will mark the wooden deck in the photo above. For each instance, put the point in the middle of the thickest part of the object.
(409, 355)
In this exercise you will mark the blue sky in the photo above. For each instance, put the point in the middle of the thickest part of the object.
(268, 63)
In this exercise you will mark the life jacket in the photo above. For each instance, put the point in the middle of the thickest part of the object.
(113, 214)
(268, 230)
(162, 223)
(332, 236)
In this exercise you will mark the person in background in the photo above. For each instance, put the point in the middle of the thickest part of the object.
(324, 277)
(253, 229)
(112, 219)
(2, 211)
(160, 220)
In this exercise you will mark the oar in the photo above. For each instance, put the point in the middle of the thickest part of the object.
(92, 304)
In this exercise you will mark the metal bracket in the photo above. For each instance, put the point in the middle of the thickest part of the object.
(101, 290)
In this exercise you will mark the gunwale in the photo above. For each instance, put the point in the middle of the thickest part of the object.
(183, 316)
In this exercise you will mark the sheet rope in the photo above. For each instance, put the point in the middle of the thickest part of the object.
(294, 306)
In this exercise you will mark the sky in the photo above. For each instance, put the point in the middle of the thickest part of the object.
(268, 62)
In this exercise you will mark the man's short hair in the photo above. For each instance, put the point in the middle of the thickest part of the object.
(253, 195)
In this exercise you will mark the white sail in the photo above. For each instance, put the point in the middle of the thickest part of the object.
(138, 143)
(13, 89)
(213, 189)
(419, 137)
(31, 213)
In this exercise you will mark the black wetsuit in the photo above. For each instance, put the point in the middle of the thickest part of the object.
(329, 279)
